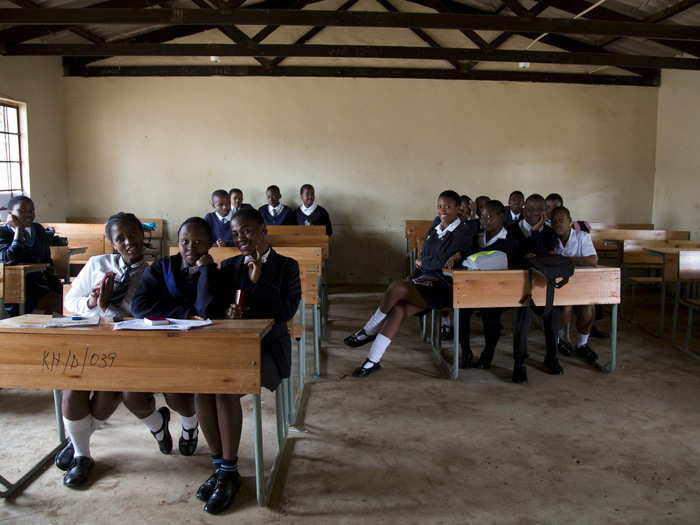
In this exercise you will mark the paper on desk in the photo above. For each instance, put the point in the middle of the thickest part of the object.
(67, 322)
(175, 324)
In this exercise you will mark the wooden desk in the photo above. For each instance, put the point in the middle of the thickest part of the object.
(13, 280)
(505, 289)
(61, 257)
(154, 229)
(226, 356)
(610, 243)
(630, 226)
(90, 236)
(415, 230)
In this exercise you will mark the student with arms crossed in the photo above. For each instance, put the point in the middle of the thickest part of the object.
(219, 220)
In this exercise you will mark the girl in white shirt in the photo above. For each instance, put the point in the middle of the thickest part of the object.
(104, 287)
(579, 246)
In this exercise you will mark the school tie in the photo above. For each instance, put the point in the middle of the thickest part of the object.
(120, 289)
(274, 212)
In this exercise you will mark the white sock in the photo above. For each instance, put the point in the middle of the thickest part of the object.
(154, 422)
(375, 322)
(581, 340)
(562, 335)
(188, 423)
(79, 432)
(446, 320)
(379, 346)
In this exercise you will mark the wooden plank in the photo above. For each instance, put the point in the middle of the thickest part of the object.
(2, 283)
(630, 226)
(504, 289)
(225, 361)
(60, 256)
(89, 235)
(639, 235)
(15, 281)
(158, 233)
(689, 265)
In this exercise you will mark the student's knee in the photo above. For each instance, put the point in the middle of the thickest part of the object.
(141, 404)
(183, 404)
(104, 404)
(75, 404)
(399, 290)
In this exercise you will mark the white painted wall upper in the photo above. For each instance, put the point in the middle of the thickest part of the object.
(37, 82)
(677, 183)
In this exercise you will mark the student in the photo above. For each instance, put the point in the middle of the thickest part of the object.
(274, 212)
(429, 287)
(534, 239)
(310, 213)
(465, 207)
(219, 220)
(579, 246)
(23, 241)
(493, 237)
(104, 287)
(237, 204)
(554, 200)
(272, 288)
(479, 204)
(182, 286)
(514, 210)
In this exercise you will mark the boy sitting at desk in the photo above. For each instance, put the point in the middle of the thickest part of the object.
(23, 241)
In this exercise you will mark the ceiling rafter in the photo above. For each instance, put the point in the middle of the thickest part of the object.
(82, 32)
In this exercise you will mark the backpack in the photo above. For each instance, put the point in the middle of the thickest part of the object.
(486, 260)
(556, 269)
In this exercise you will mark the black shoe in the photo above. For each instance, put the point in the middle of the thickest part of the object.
(466, 360)
(587, 353)
(551, 364)
(361, 371)
(64, 457)
(206, 489)
(358, 339)
(599, 334)
(484, 361)
(166, 444)
(225, 491)
(564, 348)
(519, 374)
(446, 333)
(78, 472)
(188, 446)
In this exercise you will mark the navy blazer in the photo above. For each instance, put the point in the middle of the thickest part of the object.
(319, 217)
(276, 295)
(219, 229)
(508, 218)
(285, 218)
(436, 251)
(164, 291)
(543, 242)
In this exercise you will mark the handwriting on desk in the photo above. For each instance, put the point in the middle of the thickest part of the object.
(69, 362)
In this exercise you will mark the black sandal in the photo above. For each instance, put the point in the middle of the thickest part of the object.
(188, 446)
(354, 340)
(361, 371)
(166, 444)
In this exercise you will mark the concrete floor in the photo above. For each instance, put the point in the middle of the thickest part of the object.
(406, 446)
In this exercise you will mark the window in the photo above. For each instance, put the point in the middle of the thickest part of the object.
(10, 151)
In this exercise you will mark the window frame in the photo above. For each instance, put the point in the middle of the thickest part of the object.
(20, 139)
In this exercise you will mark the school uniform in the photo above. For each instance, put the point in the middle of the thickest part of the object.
(243, 206)
(581, 226)
(440, 245)
(33, 249)
(579, 244)
(276, 296)
(170, 288)
(539, 243)
(511, 217)
(491, 317)
(314, 215)
(126, 282)
(220, 226)
(279, 216)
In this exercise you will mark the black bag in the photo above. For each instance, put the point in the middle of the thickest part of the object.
(556, 269)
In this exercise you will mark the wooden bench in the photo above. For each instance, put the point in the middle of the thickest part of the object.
(154, 229)
(13, 280)
(226, 356)
(300, 237)
(415, 230)
(505, 289)
(631, 226)
(609, 243)
(90, 236)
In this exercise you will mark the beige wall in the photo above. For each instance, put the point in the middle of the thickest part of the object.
(378, 151)
(677, 183)
(38, 83)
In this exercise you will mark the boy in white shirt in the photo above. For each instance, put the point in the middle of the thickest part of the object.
(579, 246)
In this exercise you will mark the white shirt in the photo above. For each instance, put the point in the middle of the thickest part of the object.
(483, 243)
(579, 244)
(450, 228)
(514, 216)
(249, 258)
(525, 228)
(91, 276)
(308, 211)
(226, 218)
(274, 211)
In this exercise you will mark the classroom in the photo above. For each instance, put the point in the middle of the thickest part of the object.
(350, 261)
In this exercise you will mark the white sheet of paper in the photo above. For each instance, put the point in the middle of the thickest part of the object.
(67, 322)
(175, 324)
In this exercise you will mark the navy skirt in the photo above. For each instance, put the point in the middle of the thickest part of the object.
(437, 297)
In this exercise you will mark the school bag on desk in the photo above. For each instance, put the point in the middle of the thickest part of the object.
(556, 270)
(486, 260)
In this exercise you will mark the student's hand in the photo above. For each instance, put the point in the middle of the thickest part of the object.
(13, 221)
(106, 290)
(204, 260)
(255, 267)
(234, 312)
(450, 263)
(94, 297)
(540, 223)
(419, 264)
(196, 318)
(220, 243)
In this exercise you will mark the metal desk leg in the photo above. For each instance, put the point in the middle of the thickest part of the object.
(279, 414)
(286, 396)
(610, 366)
(676, 303)
(662, 320)
(259, 462)
(690, 330)
(455, 358)
(302, 346)
(22, 308)
(317, 342)
(46, 461)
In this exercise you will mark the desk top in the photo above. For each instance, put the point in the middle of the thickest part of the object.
(26, 267)
(32, 324)
(668, 250)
